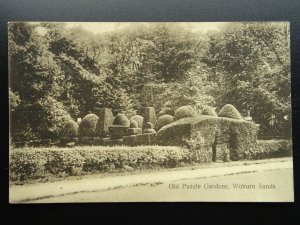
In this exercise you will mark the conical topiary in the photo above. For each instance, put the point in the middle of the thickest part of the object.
(209, 111)
(87, 126)
(184, 111)
(230, 111)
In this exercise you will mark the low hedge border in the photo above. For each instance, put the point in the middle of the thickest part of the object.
(265, 149)
(37, 163)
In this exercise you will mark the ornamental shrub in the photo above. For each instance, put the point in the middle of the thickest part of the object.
(139, 119)
(121, 120)
(105, 120)
(163, 120)
(239, 134)
(70, 129)
(149, 125)
(133, 124)
(209, 111)
(263, 149)
(184, 112)
(230, 111)
(87, 126)
(149, 115)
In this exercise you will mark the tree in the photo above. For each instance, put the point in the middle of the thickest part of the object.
(251, 64)
(35, 76)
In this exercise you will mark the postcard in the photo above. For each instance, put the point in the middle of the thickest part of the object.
(150, 112)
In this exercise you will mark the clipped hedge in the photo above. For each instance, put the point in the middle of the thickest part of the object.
(140, 139)
(88, 125)
(163, 120)
(184, 112)
(239, 134)
(31, 163)
(264, 149)
(209, 111)
(230, 111)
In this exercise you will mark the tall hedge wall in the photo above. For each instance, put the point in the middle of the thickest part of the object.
(237, 133)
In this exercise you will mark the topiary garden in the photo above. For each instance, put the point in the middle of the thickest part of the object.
(206, 137)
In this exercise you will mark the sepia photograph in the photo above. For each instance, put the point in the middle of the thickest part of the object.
(149, 112)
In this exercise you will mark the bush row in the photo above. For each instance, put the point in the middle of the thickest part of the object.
(33, 163)
(264, 149)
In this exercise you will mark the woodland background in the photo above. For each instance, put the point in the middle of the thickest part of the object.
(59, 73)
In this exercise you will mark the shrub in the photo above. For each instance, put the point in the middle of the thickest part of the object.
(163, 120)
(33, 163)
(134, 124)
(184, 112)
(139, 119)
(149, 125)
(70, 129)
(263, 149)
(87, 126)
(209, 111)
(121, 120)
(149, 115)
(64, 162)
(105, 120)
(197, 146)
(230, 111)
(239, 134)
(25, 165)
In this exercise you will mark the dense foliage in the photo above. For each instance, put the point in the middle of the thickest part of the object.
(163, 120)
(59, 73)
(230, 111)
(88, 126)
(33, 163)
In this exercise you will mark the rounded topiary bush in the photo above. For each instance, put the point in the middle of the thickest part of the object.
(88, 125)
(230, 111)
(70, 129)
(166, 111)
(163, 121)
(209, 111)
(148, 125)
(121, 120)
(134, 124)
(184, 111)
(139, 119)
